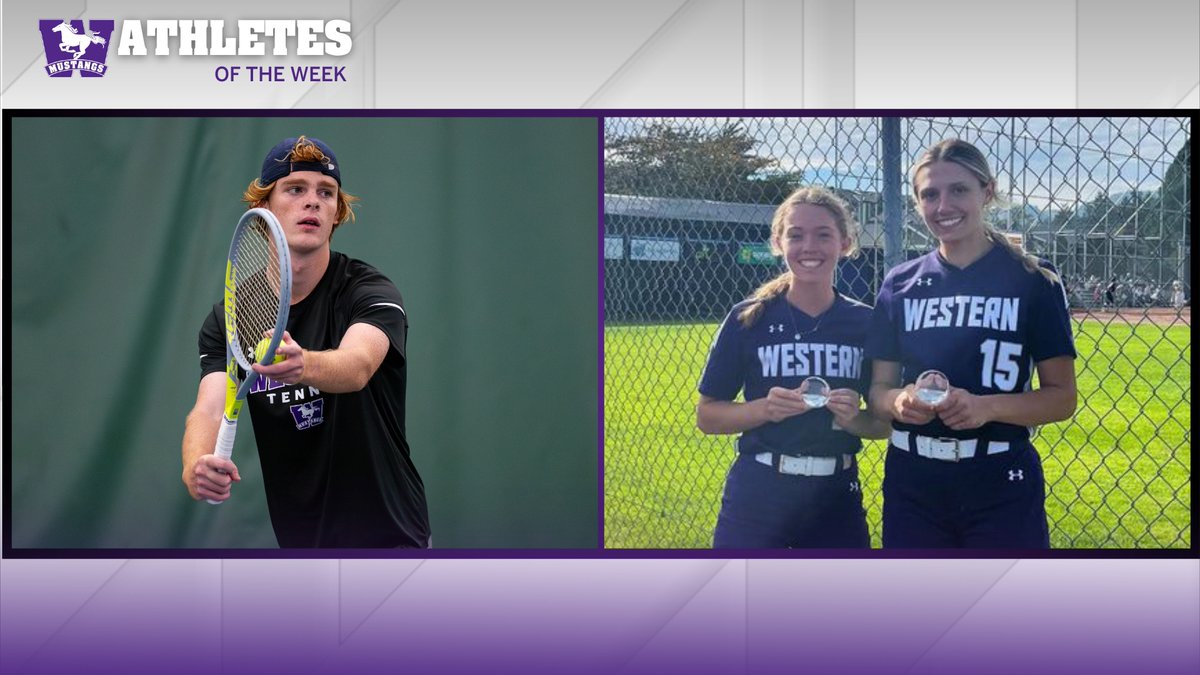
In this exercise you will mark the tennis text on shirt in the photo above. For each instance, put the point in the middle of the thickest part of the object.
(304, 402)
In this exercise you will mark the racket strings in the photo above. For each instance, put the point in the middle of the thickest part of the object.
(256, 283)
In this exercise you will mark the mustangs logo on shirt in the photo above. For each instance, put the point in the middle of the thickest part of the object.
(308, 414)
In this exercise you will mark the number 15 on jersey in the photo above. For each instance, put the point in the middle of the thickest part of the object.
(1001, 364)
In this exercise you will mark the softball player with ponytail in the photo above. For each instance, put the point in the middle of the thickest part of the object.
(794, 482)
(963, 473)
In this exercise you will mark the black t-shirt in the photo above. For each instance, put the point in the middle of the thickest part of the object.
(336, 467)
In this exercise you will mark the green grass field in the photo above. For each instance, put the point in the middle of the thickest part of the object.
(1118, 472)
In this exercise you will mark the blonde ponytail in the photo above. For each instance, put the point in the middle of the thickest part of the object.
(762, 295)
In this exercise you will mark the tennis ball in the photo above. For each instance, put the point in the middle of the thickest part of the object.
(260, 351)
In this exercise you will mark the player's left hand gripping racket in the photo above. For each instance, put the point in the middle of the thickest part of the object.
(258, 292)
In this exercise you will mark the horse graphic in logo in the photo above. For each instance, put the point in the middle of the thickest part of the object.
(309, 414)
(74, 42)
(70, 47)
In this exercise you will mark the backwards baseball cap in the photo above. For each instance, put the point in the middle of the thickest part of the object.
(279, 161)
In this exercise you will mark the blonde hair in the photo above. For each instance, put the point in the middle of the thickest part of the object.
(303, 151)
(970, 158)
(817, 196)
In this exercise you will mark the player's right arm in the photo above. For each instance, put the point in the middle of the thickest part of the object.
(887, 400)
(714, 416)
(206, 475)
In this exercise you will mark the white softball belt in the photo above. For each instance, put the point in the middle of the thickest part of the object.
(947, 449)
(803, 465)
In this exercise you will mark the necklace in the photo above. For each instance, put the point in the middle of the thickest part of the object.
(792, 313)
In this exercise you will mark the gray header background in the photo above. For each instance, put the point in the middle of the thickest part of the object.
(659, 53)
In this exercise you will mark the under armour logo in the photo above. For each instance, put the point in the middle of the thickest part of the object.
(1016, 474)
(854, 486)
(775, 328)
(925, 281)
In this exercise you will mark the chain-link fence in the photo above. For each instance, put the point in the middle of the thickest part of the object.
(688, 203)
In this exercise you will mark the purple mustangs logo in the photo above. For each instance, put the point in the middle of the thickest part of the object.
(70, 47)
(308, 414)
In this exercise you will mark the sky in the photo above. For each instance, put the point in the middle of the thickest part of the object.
(1045, 162)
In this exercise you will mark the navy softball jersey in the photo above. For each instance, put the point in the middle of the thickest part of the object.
(782, 348)
(985, 327)
(768, 505)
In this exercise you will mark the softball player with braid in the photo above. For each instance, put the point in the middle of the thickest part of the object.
(963, 473)
(794, 482)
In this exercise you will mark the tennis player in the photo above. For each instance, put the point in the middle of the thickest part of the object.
(794, 481)
(329, 420)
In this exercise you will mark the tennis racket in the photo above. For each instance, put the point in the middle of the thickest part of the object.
(258, 292)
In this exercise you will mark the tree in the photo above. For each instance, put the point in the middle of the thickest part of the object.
(1063, 217)
(1175, 195)
(669, 160)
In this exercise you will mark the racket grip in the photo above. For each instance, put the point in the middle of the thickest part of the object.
(224, 449)
(225, 437)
